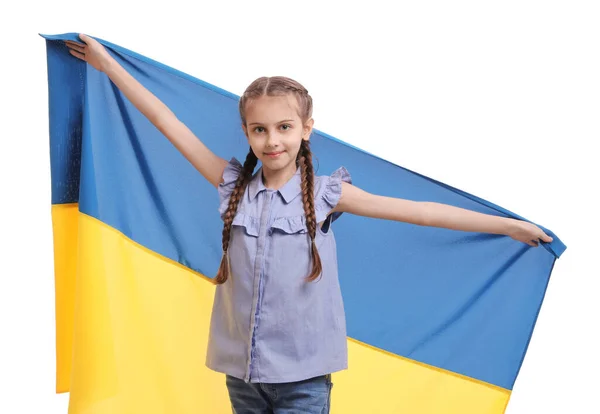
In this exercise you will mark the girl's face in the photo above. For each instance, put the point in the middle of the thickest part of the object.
(275, 130)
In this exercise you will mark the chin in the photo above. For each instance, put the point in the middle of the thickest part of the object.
(275, 164)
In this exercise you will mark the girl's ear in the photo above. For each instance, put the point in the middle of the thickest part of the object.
(245, 130)
(307, 129)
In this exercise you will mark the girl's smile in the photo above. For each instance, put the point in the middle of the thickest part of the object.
(274, 154)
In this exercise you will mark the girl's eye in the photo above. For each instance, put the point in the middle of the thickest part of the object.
(259, 129)
(285, 127)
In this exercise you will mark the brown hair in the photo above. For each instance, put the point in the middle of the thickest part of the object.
(273, 86)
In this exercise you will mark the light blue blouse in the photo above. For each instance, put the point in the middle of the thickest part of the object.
(268, 323)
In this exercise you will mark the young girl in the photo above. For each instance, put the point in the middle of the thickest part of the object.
(278, 329)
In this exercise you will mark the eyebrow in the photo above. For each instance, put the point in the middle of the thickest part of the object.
(260, 123)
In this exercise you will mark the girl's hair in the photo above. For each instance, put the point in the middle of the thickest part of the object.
(274, 86)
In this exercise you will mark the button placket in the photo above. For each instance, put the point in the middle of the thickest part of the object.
(258, 277)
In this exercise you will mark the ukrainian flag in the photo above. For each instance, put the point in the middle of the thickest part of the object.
(438, 320)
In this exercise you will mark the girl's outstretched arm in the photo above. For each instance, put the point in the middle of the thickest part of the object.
(424, 213)
(203, 159)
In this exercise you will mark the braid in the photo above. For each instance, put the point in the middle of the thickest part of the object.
(234, 202)
(301, 90)
(308, 199)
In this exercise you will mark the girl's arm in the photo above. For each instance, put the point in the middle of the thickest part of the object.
(424, 213)
(203, 159)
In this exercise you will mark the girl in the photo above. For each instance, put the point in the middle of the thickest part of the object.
(278, 329)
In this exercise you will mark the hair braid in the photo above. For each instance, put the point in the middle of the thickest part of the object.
(308, 200)
(234, 202)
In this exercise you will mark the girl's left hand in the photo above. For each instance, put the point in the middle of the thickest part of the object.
(91, 52)
(528, 233)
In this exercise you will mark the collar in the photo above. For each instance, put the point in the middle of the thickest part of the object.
(288, 191)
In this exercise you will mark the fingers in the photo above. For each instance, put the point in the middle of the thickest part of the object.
(532, 243)
(77, 54)
(543, 237)
(76, 46)
(76, 49)
(80, 47)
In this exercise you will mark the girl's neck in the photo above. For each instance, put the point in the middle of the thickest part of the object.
(275, 179)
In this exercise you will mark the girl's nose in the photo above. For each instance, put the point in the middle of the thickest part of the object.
(272, 139)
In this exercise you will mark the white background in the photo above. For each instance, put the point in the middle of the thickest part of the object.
(500, 99)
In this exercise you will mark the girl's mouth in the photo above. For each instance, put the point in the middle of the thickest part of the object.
(273, 154)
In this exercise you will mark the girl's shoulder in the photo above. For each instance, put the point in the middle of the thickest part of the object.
(328, 191)
(232, 171)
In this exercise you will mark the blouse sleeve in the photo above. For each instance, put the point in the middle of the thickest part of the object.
(230, 175)
(329, 192)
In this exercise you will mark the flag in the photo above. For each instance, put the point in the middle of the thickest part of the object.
(438, 320)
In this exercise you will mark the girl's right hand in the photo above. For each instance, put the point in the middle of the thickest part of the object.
(91, 52)
(210, 165)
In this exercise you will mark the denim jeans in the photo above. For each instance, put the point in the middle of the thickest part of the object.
(311, 396)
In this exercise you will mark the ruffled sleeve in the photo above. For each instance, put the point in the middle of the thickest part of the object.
(329, 192)
(230, 175)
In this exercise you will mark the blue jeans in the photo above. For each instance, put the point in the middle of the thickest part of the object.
(311, 396)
